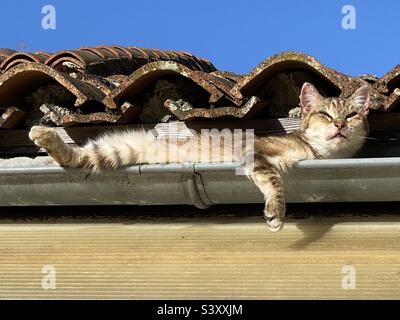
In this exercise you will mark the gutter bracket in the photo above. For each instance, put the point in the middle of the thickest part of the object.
(194, 187)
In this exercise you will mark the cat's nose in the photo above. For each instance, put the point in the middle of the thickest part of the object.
(339, 124)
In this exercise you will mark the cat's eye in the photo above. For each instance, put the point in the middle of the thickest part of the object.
(351, 115)
(326, 114)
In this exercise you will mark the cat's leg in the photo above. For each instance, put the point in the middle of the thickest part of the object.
(64, 154)
(269, 181)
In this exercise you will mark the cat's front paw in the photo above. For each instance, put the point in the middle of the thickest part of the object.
(274, 224)
(273, 214)
(42, 136)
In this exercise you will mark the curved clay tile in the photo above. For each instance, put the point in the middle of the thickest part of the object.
(223, 84)
(110, 60)
(81, 58)
(123, 52)
(148, 74)
(193, 61)
(291, 61)
(26, 77)
(392, 101)
(200, 63)
(22, 57)
(126, 114)
(229, 75)
(44, 53)
(183, 113)
(103, 54)
(161, 54)
(112, 52)
(152, 54)
(389, 87)
(4, 52)
(138, 53)
(389, 81)
(103, 84)
(118, 79)
(368, 77)
(185, 58)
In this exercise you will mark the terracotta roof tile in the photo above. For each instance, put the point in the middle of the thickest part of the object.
(22, 57)
(147, 75)
(25, 77)
(88, 59)
(126, 114)
(118, 85)
(185, 112)
(6, 52)
(389, 87)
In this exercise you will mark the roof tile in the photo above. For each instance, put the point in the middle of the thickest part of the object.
(117, 84)
(22, 57)
(25, 77)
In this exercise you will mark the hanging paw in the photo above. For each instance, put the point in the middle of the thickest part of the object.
(273, 214)
(43, 137)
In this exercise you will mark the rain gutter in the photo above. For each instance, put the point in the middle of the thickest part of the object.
(198, 184)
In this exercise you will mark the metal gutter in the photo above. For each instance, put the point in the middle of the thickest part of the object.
(198, 184)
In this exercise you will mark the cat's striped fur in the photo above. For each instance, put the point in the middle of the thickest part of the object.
(330, 128)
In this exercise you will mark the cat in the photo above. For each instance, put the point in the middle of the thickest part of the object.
(330, 128)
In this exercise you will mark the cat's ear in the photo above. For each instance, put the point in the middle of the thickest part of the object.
(361, 98)
(309, 96)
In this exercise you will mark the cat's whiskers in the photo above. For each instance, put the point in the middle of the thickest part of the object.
(372, 138)
(382, 139)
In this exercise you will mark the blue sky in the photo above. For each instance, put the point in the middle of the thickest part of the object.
(235, 35)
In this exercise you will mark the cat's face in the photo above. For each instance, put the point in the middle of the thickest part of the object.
(334, 127)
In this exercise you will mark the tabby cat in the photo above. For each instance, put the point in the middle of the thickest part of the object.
(330, 128)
